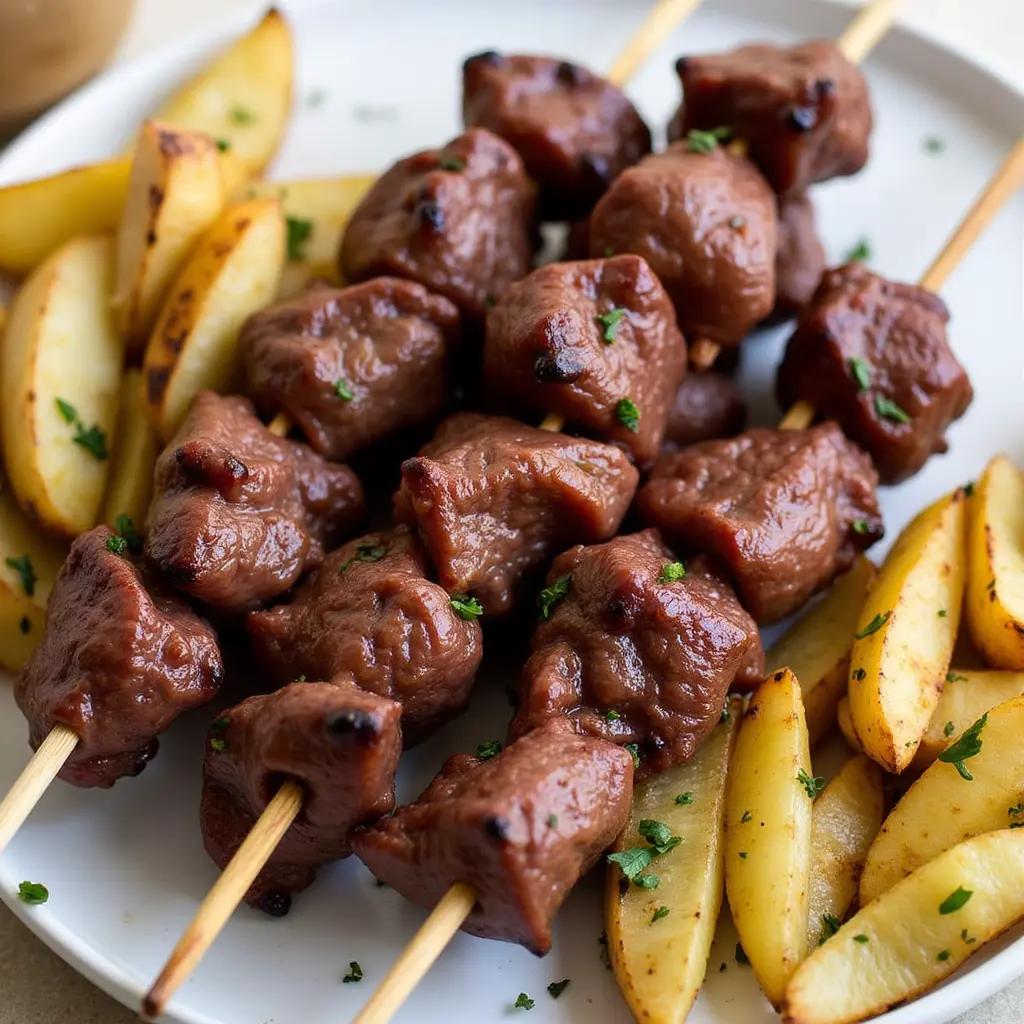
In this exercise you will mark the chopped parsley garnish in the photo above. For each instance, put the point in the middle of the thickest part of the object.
(955, 900)
(1017, 810)
(634, 749)
(684, 798)
(22, 565)
(299, 231)
(343, 390)
(812, 786)
(969, 939)
(301, 678)
(861, 939)
(223, 145)
(741, 956)
(92, 439)
(861, 373)
(218, 745)
(747, 816)
(556, 988)
(859, 674)
(633, 861)
(724, 716)
(466, 607)
(660, 913)
(223, 722)
(612, 715)
(25, 625)
(967, 746)
(672, 571)
(933, 144)
(550, 596)
(524, 1002)
(948, 728)
(698, 141)
(355, 973)
(944, 955)
(116, 544)
(627, 413)
(67, 411)
(830, 924)
(609, 252)
(943, 613)
(953, 677)
(861, 526)
(873, 626)
(485, 751)
(33, 893)
(889, 410)
(609, 321)
(658, 834)
(364, 553)
(969, 489)
(242, 115)
(452, 163)
(126, 527)
(859, 253)
(552, 821)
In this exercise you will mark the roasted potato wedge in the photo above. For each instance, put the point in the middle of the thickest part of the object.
(60, 375)
(913, 936)
(659, 939)
(995, 565)
(845, 722)
(175, 193)
(817, 648)
(906, 633)
(29, 562)
(234, 271)
(768, 833)
(942, 808)
(38, 217)
(243, 98)
(134, 458)
(844, 822)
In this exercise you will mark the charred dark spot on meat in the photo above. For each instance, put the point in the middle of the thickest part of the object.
(802, 119)
(570, 74)
(352, 723)
(496, 827)
(430, 215)
(276, 904)
(557, 368)
(491, 57)
(178, 575)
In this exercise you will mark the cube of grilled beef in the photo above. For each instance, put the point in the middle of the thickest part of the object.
(595, 342)
(784, 511)
(458, 220)
(353, 365)
(122, 657)
(493, 498)
(369, 614)
(801, 257)
(707, 406)
(239, 514)
(520, 828)
(874, 355)
(705, 221)
(636, 648)
(803, 111)
(340, 742)
(574, 130)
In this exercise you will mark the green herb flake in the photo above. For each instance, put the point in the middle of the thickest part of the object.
(698, 141)
(550, 596)
(220, 724)
(610, 321)
(22, 565)
(948, 728)
(612, 715)
(634, 749)
(466, 607)
(609, 252)
(968, 938)
(524, 1002)
(658, 834)
(861, 371)
(861, 526)
(741, 956)
(485, 751)
(552, 821)
(943, 613)
(67, 411)
(889, 410)
(933, 144)
(92, 439)
(355, 973)
(627, 413)
(222, 144)
(242, 115)
(452, 163)
(955, 900)
(647, 882)
(860, 253)
(943, 956)
(33, 893)
(873, 626)
(299, 232)
(116, 544)
(862, 939)
(966, 747)
(218, 745)
(556, 988)
(812, 786)
(126, 527)
(724, 716)
(830, 924)
(953, 677)
(672, 571)
(747, 816)
(660, 913)
(969, 489)
(684, 798)
(343, 390)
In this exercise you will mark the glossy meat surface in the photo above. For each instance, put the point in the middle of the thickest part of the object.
(238, 513)
(369, 614)
(632, 656)
(784, 511)
(122, 657)
(707, 406)
(577, 339)
(801, 258)
(520, 828)
(350, 366)
(340, 742)
(493, 498)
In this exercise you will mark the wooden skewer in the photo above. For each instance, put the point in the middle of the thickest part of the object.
(224, 897)
(663, 17)
(1003, 184)
(280, 425)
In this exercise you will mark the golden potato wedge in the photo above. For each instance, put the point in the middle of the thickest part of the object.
(29, 563)
(844, 822)
(768, 832)
(133, 460)
(60, 376)
(234, 271)
(944, 807)
(817, 648)
(38, 217)
(845, 722)
(995, 565)
(243, 98)
(175, 193)
(659, 939)
(906, 633)
(913, 936)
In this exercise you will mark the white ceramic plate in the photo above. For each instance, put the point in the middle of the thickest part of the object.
(126, 869)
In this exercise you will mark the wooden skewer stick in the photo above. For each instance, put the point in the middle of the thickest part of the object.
(34, 780)
(225, 896)
(663, 17)
(1003, 184)
(280, 425)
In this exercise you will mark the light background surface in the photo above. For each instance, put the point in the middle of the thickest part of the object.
(36, 987)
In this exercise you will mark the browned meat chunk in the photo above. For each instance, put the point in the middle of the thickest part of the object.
(369, 614)
(457, 220)
(874, 355)
(240, 514)
(803, 111)
(493, 498)
(706, 223)
(351, 365)
(595, 342)
(707, 406)
(639, 650)
(520, 828)
(340, 742)
(801, 257)
(783, 510)
(574, 130)
(120, 660)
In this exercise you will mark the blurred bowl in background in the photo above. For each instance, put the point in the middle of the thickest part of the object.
(49, 47)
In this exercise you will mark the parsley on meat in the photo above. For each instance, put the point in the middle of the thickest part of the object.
(859, 253)
(672, 571)
(550, 596)
(492, 748)
(452, 163)
(610, 321)
(627, 413)
(861, 373)
(466, 607)
(698, 141)
(889, 410)
(343, 390)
